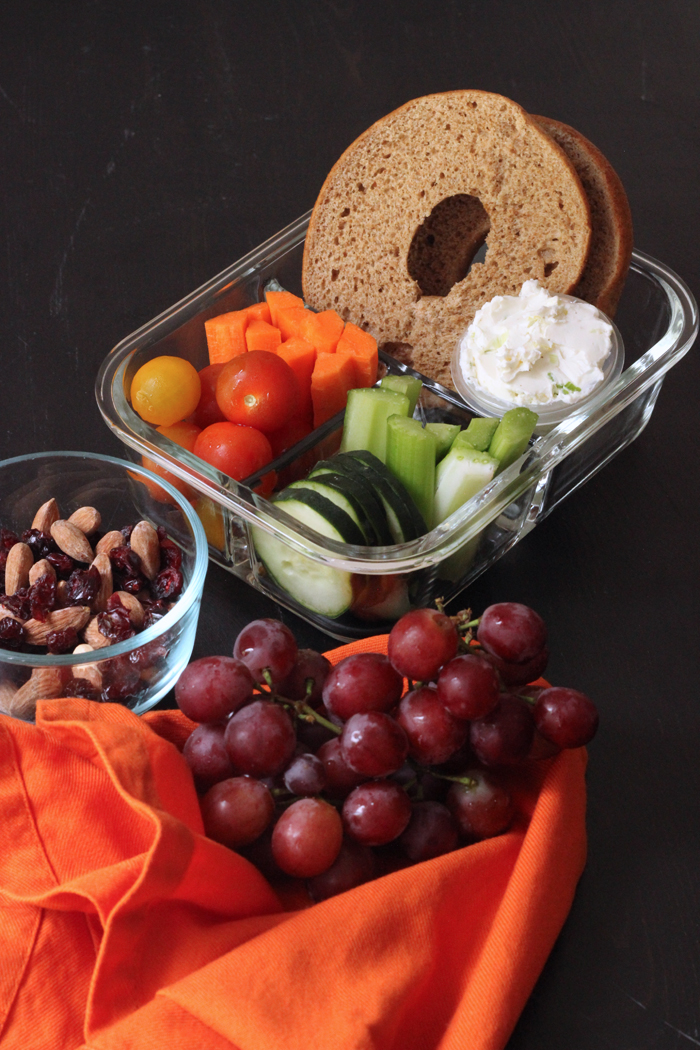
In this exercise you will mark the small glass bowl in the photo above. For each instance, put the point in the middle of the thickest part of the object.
(487, 404)
(123, 493)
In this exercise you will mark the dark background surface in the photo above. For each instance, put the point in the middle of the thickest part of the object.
(147, 146)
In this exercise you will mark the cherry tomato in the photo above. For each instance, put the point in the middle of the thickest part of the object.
(235, 450)
(208, 411)
(165, 390)
(258, 389)
(185, 435)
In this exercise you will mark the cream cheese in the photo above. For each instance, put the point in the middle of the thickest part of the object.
(535, 348)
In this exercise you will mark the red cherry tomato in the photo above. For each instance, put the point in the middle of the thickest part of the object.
(184, 434)
(208, 411)
(235, 450)
(258, 389)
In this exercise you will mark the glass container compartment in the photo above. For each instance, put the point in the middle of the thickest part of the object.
(658, 322)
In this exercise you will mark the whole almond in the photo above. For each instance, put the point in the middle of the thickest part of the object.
(58, 620)
(7, 694)
(71, 540)
(91, 672)
(104, 567)
(109, 541)
(87, 519)
(144, 540)
(94, 636)
(134, 607)
(40, 568)
(46, 515)
(19, 561)
(45, 684)
(4, 612)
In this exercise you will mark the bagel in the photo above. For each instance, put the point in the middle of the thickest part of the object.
(402, 212)
(610, 251)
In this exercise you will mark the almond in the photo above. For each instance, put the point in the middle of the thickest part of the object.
(136, 610)
(87, 519)
(19, 561)
(144, 540)
(46, 515)
(45, 684)
(71, 540)
(94, 636)
(58, 620)
(40, 568)
(91, 672)
(7, 695)
(109, 541)
(4, 612)
(104, 567)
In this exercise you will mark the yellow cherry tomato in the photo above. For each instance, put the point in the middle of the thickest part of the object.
(165, 390)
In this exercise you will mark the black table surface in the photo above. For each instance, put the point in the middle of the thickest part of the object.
(146, 146)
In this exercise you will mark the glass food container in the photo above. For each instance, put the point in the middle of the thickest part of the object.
(658, 322)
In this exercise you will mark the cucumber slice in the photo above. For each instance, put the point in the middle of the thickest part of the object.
(512, 436)
(404, 518)
(337, 497)
(358, 491)
(365, 418)
(320, 588)
(462, 473)
(410, 456)
(319, 509)
(445, 434)
(479, 433)
(408, 385)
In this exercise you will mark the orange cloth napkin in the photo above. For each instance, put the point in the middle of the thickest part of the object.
(123, 928)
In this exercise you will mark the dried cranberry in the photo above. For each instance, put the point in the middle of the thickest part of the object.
(125, 561)
(167, 584)
(18, 603)
(11, 633)
(133, 584)
(115, 624)
(148, 655)
(126, 532)
(81, 687)
(3, 558)
(65, 641)
(7, 539)
(83, 586)
(42, 597)
(62, 563)
(170, 553)
(121, 679)
(153, 611)
(40, 543)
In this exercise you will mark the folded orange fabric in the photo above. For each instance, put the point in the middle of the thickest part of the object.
(122, 926)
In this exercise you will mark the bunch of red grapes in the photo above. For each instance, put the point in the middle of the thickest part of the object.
(312, 770)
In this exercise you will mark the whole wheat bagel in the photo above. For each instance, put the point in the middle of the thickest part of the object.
(402, 212)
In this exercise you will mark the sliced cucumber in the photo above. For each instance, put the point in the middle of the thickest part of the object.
(512, 436)
(365, 418)
(462, 473)
(360, 493)
(479, 433)
(337, 497)
(408, 385)
(445, 434)
(405, 520)
(314, 508)
(410, 456)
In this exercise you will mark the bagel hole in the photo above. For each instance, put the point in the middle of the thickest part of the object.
(447, 244)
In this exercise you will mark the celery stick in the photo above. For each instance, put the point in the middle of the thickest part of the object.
(365, 419)
(479, 433)
(462, 441)
(512, 436)
(408, 385)
(462, 473)
(410, 456)
(445, 434)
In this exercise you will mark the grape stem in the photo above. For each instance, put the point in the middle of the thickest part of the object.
(309, 713)
(467, 781)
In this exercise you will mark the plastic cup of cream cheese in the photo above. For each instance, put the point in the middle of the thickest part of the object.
(551, 353)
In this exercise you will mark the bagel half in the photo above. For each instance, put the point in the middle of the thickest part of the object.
(402, 212)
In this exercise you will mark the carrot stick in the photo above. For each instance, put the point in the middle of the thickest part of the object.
(259, 312)
(332, 377)
(262, 336)
(281, 301)
(298, 322)
(329, 326)
(226, 336)
(363, 347)
(301, 358)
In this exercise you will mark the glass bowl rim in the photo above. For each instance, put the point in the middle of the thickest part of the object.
(190, 595)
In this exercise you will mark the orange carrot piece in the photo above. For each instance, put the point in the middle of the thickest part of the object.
(259, 312)
(364, 348)
(332, 377)
(260, 335)
(282, 301)
(298, 322)
(226, 336)
(330, 328)
(301, 358)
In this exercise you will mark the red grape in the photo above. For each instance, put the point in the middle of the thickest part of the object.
(468, 686)
(363, 682)
(206, 755)
(266, 645)
(431, 831)
(524, 673)
(354, 865)
(308, 664)
(433, 734)
(421, 642)
(305, 775)
(373, 744)
(504, 736)
(260, 739)
(565, 717)
(237, 811)
(340, 777)
(211, 689)
(307, 838)
(512, 631)
(481, 811)
(376, 812)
